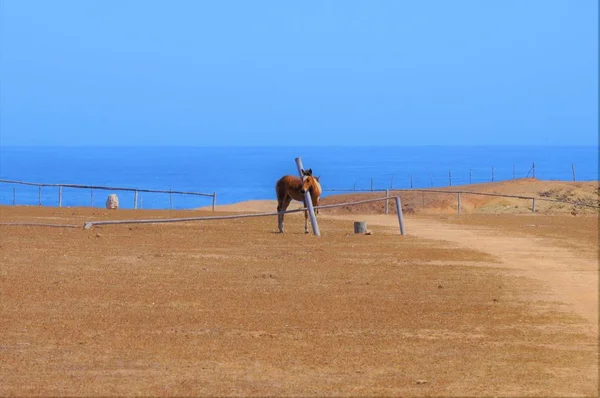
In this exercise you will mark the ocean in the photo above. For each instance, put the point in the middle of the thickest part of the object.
(247, 173)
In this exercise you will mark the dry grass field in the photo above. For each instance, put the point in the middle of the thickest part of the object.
(480, 304)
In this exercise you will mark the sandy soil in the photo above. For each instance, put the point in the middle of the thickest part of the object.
(476, 305)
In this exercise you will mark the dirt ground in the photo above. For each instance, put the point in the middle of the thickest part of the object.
(473, 305)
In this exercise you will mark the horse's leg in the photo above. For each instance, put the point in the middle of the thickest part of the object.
(282, 206)
(280, 201)
(305, 218)
(279, 216)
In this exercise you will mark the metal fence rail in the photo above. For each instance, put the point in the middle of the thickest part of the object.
(136, 191)
(459, 193)
(90, 224)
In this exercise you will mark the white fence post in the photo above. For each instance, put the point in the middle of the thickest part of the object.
(60, 196)
(307, 199)
(387, 202)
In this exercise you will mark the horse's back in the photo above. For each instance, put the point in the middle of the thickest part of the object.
(289, 185)
(287, 181)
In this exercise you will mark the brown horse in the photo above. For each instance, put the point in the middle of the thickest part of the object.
(290, 187)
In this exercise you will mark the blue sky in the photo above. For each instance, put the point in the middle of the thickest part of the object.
(403, 72)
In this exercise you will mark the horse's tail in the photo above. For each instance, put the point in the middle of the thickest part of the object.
(280, 192)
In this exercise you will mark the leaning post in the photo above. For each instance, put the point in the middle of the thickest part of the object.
(400, 216)
(308, 201)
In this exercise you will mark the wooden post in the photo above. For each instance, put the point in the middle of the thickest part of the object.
(14, 196)
(459, 204)
(40, 195)
(214, 201)
(533, 169)
(387, 196)
(60, 196)
(450, 177)
(411, 182)
(135, 200)
(400, 216)
(371, 185)
(533, 206)
(171, 200)
(513, 171)
(573, 168)
(91, 197)
(307, 199)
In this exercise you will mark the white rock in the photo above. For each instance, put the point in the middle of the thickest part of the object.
(112, 202)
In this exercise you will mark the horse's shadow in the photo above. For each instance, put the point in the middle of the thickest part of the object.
(289, 233)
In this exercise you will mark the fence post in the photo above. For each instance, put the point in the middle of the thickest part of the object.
(14, 196)
(533, 168)
(135, 200)
(492, 173)
(307, 199)
(513, 171)
(40, 195)
(387, 196)
(400, 216)
(60, 196)
(450, 176)
(469, 176)
(91, 197)
(573, 168)
(533, 206)
(411, 182)
(214, 201)
(371, 185)
(459, 204)
(170, 200)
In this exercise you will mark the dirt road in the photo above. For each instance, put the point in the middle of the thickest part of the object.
(570, 275)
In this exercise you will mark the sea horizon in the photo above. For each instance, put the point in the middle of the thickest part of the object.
(239, 173)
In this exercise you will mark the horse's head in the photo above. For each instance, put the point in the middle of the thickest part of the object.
(307, 180)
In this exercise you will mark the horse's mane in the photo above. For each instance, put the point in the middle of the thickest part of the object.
(317, 187)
